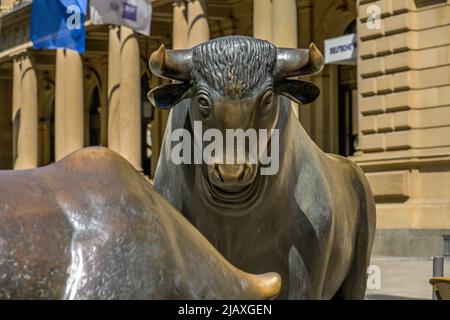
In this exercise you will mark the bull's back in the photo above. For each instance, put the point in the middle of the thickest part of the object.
(34, 239)
(46, 212)
(92, 227)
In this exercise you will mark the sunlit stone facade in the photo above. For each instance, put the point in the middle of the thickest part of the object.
(390, 113)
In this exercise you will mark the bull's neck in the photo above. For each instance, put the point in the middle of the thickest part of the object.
(232, 236)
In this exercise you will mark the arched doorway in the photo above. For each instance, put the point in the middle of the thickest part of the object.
(348, 104)
(94, 119)
(146, 127)
(46, 138)
(46, 134)
(51, 134)
(321, 21)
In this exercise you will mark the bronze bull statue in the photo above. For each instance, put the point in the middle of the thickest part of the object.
(313, 221)
(91, 227)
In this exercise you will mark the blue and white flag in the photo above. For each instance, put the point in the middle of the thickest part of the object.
(136, 14)
(58, 24)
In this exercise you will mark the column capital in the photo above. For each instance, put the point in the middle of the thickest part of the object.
(25, 61)
(127, 33)
(202, 2)
(179, 3)
(113, 27)
(20, 54)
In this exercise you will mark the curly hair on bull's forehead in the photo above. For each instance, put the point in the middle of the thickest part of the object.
(234, 65)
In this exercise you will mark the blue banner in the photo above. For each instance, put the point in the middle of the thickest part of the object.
(58, 24)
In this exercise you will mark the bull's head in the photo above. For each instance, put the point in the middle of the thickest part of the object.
(234, 83)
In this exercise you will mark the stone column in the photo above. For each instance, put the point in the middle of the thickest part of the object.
(306, 30)
(114, 89)
(262, 19)
(25, 102)
(16, 97)
(180, 25)
(284, 23)
(198, 31)
(284, 27)
(69, 103)
(130, 98)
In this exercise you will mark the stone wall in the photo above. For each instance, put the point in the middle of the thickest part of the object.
(404, 125)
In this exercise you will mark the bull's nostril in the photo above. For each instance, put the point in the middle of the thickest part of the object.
(248, 169)
(216, 172)
(242, 173)
(231, 172)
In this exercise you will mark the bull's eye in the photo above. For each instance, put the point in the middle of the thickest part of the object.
(266, 100)
(204, 104)
(203, 101)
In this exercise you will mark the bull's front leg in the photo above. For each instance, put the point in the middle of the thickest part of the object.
(305, 282)
(312, 233)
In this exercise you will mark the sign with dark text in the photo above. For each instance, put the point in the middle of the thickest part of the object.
(135, 14)
(341, 50)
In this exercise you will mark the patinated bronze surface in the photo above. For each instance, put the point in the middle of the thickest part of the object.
(314, 221)
(91, 227)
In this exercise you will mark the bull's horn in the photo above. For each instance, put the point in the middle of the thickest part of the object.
(171, 64)
(297, 62)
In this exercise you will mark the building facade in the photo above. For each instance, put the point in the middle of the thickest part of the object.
(389, 111)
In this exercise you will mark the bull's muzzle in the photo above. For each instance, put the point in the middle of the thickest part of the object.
(231, 178)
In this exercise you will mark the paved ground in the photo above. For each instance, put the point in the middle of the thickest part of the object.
(402, 278)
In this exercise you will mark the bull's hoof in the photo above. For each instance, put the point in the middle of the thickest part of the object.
(265, 286)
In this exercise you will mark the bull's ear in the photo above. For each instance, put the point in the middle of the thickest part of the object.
(168, 95)
(298, 91)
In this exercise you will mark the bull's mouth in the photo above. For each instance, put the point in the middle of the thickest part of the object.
(233, 199)
(233, 193)
(239, 183)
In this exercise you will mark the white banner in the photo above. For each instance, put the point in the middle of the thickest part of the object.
(136, 14)
(341, 50)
